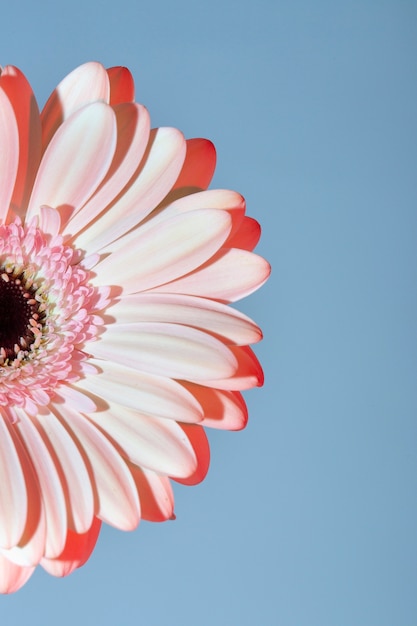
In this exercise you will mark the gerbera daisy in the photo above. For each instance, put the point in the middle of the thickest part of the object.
(117, 344)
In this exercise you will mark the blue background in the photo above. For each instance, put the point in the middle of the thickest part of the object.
(309, 516)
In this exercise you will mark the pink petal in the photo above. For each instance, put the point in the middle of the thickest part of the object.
(198, 439)
(49, 220)
(116, 494)
(199, 164)
(86, 84)
(26, 112)
(9, 142)
(122, 86)
(158, 172)
(247, 236)
(133, 127)
(153, 395)
(12, 576)
(156, 254)
(228, 276)
(76, 160)
(213, 317)
(158, 444)
(167, 350)
(77, 550)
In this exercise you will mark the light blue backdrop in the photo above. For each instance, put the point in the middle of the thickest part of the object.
(307, 518)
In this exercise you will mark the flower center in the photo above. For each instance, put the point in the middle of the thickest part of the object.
(47, 315)
(20, 317)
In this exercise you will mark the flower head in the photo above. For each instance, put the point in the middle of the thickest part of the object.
(117, 344)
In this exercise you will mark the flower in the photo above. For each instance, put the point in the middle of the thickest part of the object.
(117, 344)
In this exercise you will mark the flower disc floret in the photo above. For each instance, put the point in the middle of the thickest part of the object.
(57, 299)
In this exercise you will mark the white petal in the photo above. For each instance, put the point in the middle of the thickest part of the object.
(13, 494)
(117, 498)
(167, 350)
(53, 498)
(133, 126)
(76, 160)
(153, 255)
(155, 492)
(12, 576)
(207, 315)
(223, 199)
(86, 84)
(74, 475)
(229, 276)
(158, 444)
(153, 395)
(161, 166)
(225, 410)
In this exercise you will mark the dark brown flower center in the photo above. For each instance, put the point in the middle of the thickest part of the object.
(20, 317)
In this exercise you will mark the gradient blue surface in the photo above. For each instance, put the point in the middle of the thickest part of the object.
(308, 517)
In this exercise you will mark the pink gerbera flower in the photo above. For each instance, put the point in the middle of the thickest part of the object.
(117, 346)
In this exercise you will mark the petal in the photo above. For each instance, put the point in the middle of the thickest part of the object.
(225, 410)
(156, 254)
(122, 86)
(155, 493)
(158, 171)
(9, 142)
(247, 236)
(77, 550)
(213, 317)
(13, 494)
(49, 220)
(167, 350)
(199, 164)
(116, 494)
(31, 546)
(222, 199)
(76, 160)
(26, 112)
(228, 276)
(86, 84)
(133, 127)
(146, 393)
(158, 444)
(53, 499)
(73, 472)
(249, 373)
(12, 576)
(198, 439)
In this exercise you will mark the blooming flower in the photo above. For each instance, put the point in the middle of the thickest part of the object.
(117, 344)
